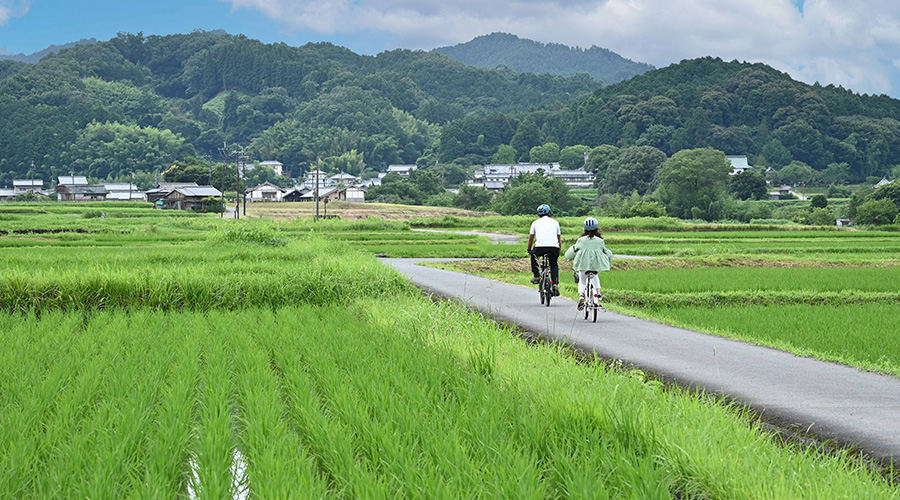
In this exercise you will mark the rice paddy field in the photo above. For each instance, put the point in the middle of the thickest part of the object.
(149, 354)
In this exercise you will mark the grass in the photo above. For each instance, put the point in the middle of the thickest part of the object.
(841, 314)
(450, 414)
(142, 362)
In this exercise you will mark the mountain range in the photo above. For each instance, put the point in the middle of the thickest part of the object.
(529, 56)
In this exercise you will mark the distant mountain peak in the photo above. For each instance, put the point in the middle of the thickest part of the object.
(529, 56)
(37, 56)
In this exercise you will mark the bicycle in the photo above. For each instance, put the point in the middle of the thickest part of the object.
(545, 286)
(591, 304)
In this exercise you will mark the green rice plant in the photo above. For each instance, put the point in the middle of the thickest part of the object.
(214, 476)
(379, 398)
(278, 464)
(249, 233)
(856, 334)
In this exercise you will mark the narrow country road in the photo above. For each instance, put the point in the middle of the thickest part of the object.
(829, 400)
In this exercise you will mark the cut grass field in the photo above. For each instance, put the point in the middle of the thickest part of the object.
(141, 362)
(353, 211)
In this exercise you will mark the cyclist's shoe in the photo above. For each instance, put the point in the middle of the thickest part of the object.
(581, 303)
(555, 290)
(535, 280)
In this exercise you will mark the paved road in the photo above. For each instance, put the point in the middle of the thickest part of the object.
(829, 400)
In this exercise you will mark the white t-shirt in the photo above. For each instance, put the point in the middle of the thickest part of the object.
(545, 231)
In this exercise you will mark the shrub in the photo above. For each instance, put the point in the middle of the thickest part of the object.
(821, 217)
(877, 212)
(838, 192)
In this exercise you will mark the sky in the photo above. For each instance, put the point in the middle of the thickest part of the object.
(853, 43)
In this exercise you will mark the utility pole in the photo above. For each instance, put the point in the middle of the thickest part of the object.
(317, 187)
(242, 161)
(131, 181)
(224, 151)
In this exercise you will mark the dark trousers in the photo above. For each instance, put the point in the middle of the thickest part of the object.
(553, 254)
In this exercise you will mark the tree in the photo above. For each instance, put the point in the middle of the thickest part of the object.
(776, 154)
(795, 174)
(633, 170)
(693, 178)
(350, 162)
(188, 170)
(526, 137)
(427, 182)
(749, 184)
(835, 174)
(548, 153)
(473, 198)
(530, 190)
(821, 216)
(877, 212)
(505, 154)
(572, 157)
(599, 159)
(818, 201)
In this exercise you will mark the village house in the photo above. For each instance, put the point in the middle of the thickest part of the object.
(344, 179)
(277, 166)
(21, 186)
(497, 177)
(189, 198)
(123, 191)
(401, 170)
(295, 193)
(351, 193)
(163, 189)
(7, 194)
(66, 192)
(739, 164)
(71, 180)
(265, 192)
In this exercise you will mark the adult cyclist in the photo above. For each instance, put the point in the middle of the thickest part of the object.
(544, 238)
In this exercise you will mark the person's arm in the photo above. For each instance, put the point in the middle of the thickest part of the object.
(530, 241)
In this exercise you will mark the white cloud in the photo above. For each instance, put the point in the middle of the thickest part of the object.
(13, 8)
(848, 42)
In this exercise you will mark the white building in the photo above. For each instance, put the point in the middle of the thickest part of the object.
(123, 192)
(27, 185)
(265, 192)
(401, 170)
(71, 180)
(277, 166)
(739, 164)
(882, 182)
(497, 177)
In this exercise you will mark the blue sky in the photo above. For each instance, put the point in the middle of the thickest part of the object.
(853, 43)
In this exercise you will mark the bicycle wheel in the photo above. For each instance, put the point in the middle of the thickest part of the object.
(547, 288)
(594, 308)
(541, 291)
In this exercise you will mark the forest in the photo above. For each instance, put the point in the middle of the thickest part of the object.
(136, 104)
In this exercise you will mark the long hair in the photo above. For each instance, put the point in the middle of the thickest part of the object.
(595, 232)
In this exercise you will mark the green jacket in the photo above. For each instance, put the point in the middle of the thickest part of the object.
(590, 254)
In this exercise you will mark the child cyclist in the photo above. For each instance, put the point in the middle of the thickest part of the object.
(590, 254)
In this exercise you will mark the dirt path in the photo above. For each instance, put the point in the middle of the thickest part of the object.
(828, 400)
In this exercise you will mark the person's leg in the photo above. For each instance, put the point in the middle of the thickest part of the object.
(553, 253)
(582, 284)
(535, 272)
(596, 281)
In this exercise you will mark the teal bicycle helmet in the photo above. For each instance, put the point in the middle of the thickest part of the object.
(543, 210)
(590, 224)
